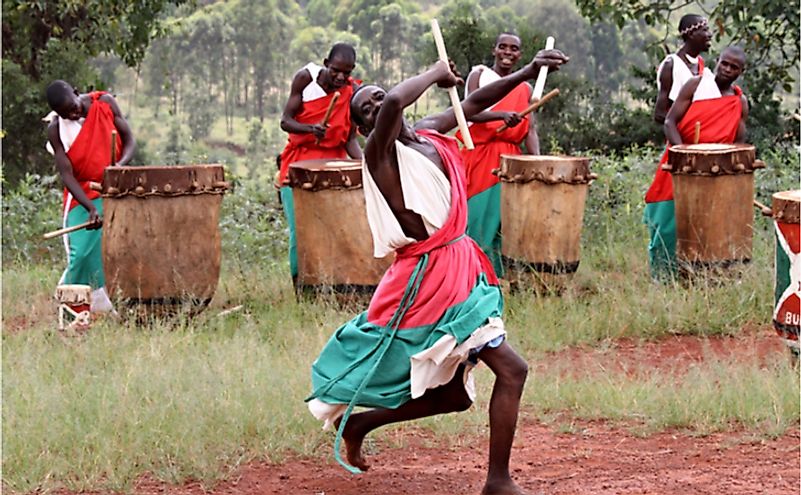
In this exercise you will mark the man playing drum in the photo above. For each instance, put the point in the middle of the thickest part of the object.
(673, 72)
(437, 310)
(80, 138)
(715, 101)
(313, 91)
(483, 188)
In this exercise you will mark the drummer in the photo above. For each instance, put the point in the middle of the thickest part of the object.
(483, 188)
(313, 88)
(715, 102)
(79, 136)
(437, 309)
(675, 70)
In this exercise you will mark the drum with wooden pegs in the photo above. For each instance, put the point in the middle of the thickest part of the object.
(335, 247)
(542, 211)
(786, 210)
(713, 191)
(161, 238)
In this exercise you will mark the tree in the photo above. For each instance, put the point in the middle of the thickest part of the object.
(768, 30)
(45, 40)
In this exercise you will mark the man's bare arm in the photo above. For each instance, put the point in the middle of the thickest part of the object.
(293, 105)
(126, 135)
(741, 128)
(64, 167)
(663, 97)
(679, 109)
(492, 93)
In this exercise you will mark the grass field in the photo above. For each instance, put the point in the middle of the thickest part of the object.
(194, 399)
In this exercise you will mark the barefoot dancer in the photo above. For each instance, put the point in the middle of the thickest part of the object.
(437, 310)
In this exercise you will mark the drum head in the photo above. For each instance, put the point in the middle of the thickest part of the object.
(787, 206)
(545, 168)
(173, 180)
(315, 175)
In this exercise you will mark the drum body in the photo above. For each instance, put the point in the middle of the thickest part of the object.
(713, 190)
(334, 243)
(542, 211)
(786, 314)
(161, 241)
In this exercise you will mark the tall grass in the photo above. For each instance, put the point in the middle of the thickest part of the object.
(195, 399)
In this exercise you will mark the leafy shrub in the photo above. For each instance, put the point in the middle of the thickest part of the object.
(30, 209)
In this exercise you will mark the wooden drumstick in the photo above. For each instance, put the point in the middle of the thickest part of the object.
(455, 103)
(539, 86)
(329, 111)
(697, 132)
(113, 148)
(67, 230)
(766, 210)
(534, 106)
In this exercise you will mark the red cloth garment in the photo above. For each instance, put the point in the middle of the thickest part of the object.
(304, 147)
(489, 145)
(90, 154)
(719, 118)
(455, 260)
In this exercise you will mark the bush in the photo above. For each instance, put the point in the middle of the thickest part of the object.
(30, 209)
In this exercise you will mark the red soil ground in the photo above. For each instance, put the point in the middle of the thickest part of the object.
(594, 458)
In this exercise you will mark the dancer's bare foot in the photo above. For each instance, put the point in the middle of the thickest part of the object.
(353, 439)
(502, 487)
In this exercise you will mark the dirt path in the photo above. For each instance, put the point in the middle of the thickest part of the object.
(594, 458)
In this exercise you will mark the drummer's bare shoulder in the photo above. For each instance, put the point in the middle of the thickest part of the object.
(300, 80)
(112, 102)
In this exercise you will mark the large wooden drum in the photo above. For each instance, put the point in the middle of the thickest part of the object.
(161, 241)
(334, 243)
(713, 191)
(786, 314)
(542, 211)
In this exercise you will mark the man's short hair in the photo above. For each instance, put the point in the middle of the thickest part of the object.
(344, 51)
(736, 51)
(59, 93)
(506, 33)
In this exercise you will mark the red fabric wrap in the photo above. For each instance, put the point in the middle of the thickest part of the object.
(719, 118)
(90, 154)
(304, 147)
(442, 286)
(489, 145)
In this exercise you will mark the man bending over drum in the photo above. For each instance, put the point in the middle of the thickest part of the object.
(714, 101)
(483, 188)
(312, 92)
(79, 136)
(437, 310)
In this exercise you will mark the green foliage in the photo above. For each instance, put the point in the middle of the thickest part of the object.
(46, 40)
(30, 209)
(766, 29)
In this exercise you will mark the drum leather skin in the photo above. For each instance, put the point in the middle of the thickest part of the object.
(542, 212)
(713, 188)
(334, 243)
(161, 238)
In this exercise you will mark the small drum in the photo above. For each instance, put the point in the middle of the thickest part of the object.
(334, 243)
(786, 315)
(161, 241)
(713, 190)
(73, 304)
(542, 211)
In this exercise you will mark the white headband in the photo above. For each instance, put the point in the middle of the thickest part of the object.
(697, 25)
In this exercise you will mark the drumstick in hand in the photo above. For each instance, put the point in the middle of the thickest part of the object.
(67, 230)
(534, 106)
(455, 103)
(539, 86)
(113, 148)
(329, 112)
(697, 132)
